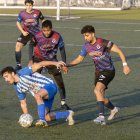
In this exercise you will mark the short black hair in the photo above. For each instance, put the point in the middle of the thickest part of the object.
(47, 23)
(29, 1)
(8, 69)
(87, 29)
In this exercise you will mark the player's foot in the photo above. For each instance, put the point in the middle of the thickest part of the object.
(113, 113)
(17, 68)
(70, 117)
(100, 120)
(66, 107)
(41, 123)
(44, 70)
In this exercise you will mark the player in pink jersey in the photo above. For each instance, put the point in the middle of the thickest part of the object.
(30, 18)
(47, 43)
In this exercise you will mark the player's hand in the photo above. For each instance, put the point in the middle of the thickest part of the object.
(25, 33)
(60, 64)
(30, 63)
(65, 69)
(126, 69)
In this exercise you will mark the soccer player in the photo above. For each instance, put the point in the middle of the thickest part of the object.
(30, 18)
(99, 50)
(42, 88)
(47, 43)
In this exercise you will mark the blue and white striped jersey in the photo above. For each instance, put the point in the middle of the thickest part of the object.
(30, 82)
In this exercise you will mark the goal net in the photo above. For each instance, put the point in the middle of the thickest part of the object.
(63, 9)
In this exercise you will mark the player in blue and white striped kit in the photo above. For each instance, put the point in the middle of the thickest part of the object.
(99, 50)
(42, 88)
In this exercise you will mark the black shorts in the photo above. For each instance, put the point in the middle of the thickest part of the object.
(52, 69)
(24, 39)
(105, 77)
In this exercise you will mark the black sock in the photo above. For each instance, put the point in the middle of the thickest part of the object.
(100, 105)
(62, 93)
(18, 57)
(109, 105)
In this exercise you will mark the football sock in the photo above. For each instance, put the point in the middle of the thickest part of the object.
(18, 57)
(60, 115)
(41, 111)
(109, 105)
(63, 102)
(100, 105)
(62, 93)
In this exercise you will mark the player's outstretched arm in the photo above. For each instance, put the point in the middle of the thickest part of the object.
(46, 63)
(116, 49)
(78, 60)
(23, 105)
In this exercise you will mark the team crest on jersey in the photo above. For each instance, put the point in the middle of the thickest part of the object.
(26, 81)
(34, 15)
(98, 46)
(53, 41)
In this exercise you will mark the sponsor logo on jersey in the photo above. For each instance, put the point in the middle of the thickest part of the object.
(95, 53)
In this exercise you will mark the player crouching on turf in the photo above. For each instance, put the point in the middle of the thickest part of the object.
(99, 50)
(42, 88)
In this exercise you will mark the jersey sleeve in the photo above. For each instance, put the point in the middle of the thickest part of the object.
(61, 42)
(107, 44)
(41, 17)
(20, 95)
(19, 19)
(26, 71)
(83, 51)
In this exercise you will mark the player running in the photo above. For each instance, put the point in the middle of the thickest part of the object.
(99, 50)
(30, 18)
(47, 43)
(42, 88)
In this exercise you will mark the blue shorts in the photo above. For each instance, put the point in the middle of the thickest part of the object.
(52, 90)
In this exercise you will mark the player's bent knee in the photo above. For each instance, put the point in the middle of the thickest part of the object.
(47, 118)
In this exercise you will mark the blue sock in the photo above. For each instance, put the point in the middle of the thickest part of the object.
(60, 115)
(41, 111)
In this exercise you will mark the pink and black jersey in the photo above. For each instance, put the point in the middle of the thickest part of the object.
(46, 48)
(30, 21)
(100, 53)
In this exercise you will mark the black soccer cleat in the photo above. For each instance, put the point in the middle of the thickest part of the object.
(17, 68)
(64, 106)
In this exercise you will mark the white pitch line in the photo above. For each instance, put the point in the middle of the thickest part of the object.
(76, 45)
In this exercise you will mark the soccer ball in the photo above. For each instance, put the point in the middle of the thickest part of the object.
(25, 120)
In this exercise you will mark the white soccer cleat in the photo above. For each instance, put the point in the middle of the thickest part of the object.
(70, 117)
(41, 123)
(100, 120)
(113, 113)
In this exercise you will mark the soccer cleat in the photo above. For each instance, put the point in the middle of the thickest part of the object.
(17, 68)
(41, 123)
(64, 106)
(113, 113)
(70, 117)
(100, 120)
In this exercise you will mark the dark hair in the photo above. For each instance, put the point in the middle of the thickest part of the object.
(8, 69)
(88, 29)
(29, 1)
(47, 23)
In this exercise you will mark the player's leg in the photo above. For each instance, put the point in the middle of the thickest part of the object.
(100, 103)
(60, 84)
(39, 96)
(51, 116)
(18, 55)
